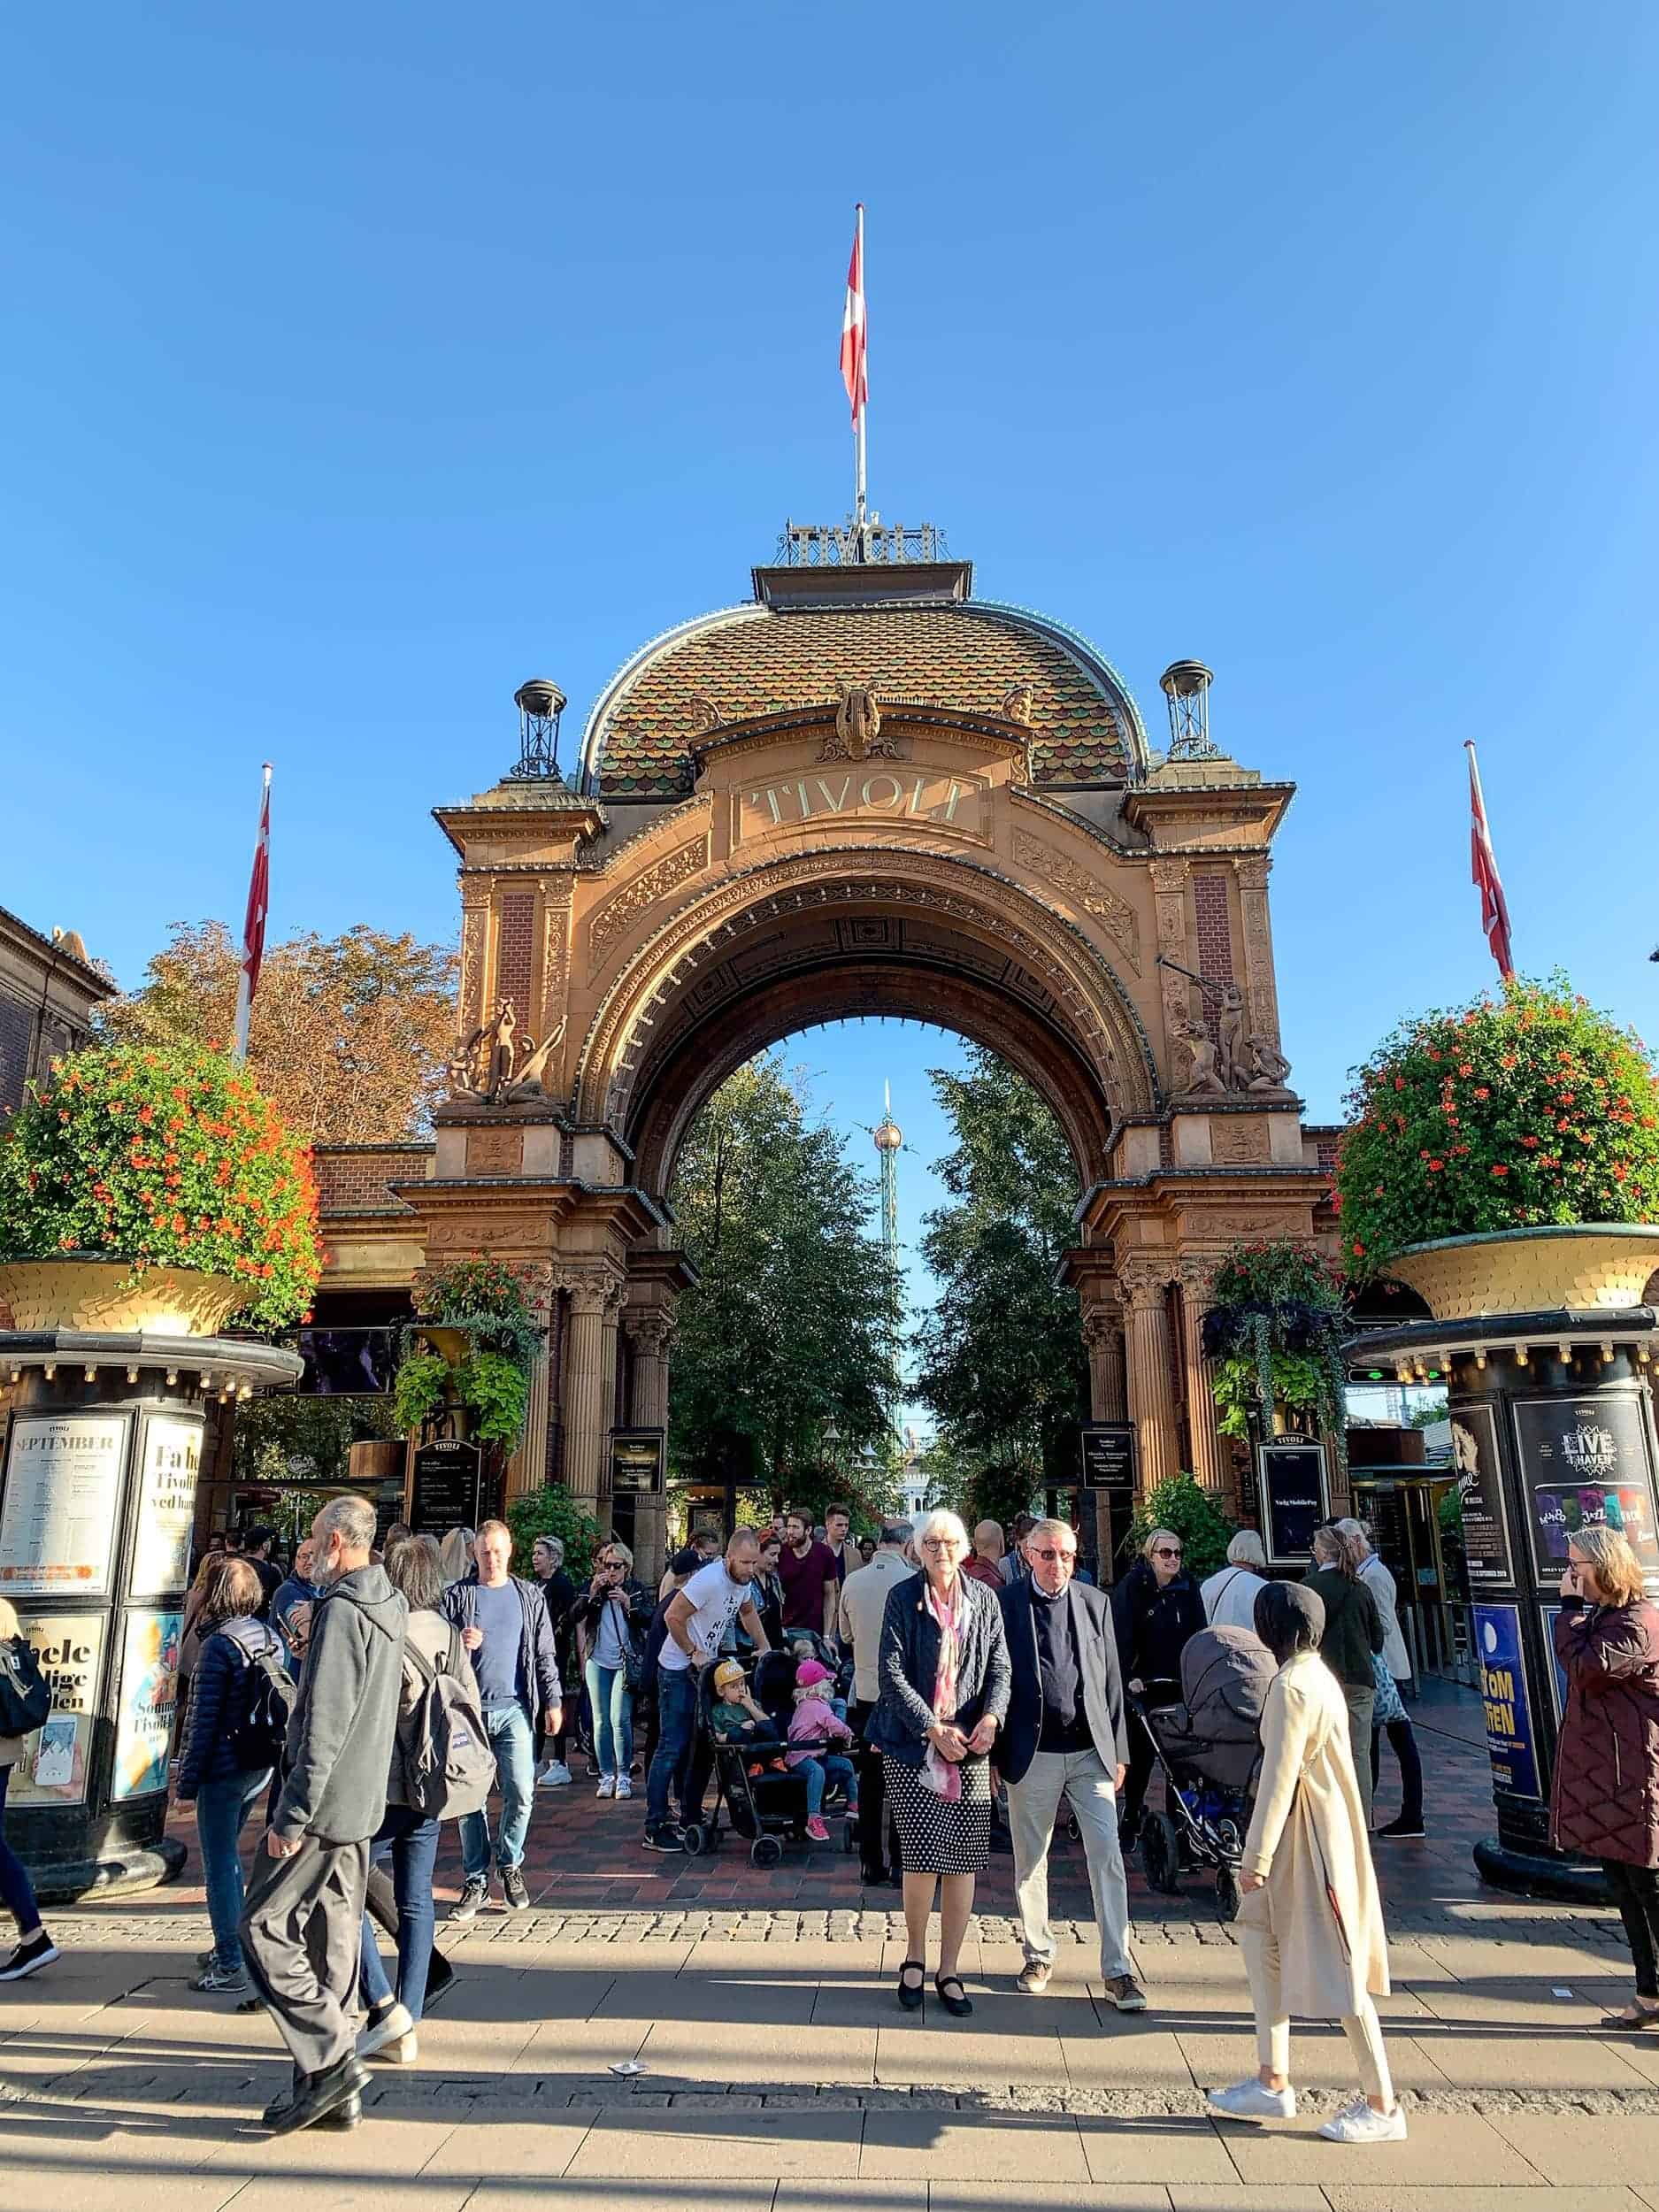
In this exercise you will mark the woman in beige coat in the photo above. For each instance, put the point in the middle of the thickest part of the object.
(1311, 1924)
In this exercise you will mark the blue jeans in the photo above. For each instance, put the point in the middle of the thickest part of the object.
(816, 1773)
(412, 1845)
(17, 1892)
(610, 1702)
(513, 1741)
(220, 1809)
(676, 1723)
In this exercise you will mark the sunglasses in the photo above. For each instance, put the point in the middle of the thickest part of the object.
(1165, 1551)
(1050, 1551)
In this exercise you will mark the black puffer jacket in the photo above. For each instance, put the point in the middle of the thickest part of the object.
(1155, 1625)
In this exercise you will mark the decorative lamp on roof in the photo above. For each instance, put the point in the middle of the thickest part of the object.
(540, 705)
(1186, 685)
(888, 1134)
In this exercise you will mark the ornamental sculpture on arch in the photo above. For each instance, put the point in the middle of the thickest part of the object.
(865, 790)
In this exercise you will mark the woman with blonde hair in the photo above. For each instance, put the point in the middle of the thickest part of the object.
(1604, 1802)
(1156, 1611)
(944, 1682)
(455, 1556)
(34, 1947)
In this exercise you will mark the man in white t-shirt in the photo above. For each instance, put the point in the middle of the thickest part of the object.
(697, 1620)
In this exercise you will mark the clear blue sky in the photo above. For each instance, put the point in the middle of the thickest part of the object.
(358, 362)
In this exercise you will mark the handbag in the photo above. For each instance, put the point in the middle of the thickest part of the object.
(1390, 1706)
(26, 1697)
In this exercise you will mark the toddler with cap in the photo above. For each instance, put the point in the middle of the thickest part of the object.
(814, 1722)
(734, 1715)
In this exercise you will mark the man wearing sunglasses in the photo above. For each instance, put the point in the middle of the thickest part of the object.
(1064, 1737)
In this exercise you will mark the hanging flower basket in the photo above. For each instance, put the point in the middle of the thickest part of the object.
(472, 1352)
(1274, 1329)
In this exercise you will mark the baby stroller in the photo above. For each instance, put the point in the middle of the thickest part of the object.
(1210, 1748)
(766, 1810)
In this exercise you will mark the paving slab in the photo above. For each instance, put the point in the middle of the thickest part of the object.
(1233, 2196)
(1003, 2147)
(1319, 2058)
(500, 2146)
(350, 2193)
(1127, 2050)
(90, 2187)
(1587, 2197)
(391, 2150)
(1439, 2144)
(1044, 2196)
(960, 2057)
(687, 2194)
(1566, 2146)
(720, 2052)
(624, 2144)
(1175, 2152)
(861, 2196)
(1565, 2064)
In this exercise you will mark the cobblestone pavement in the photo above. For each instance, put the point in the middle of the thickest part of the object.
(779, 2072)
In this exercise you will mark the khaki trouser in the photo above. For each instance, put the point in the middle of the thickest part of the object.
(1033, 1803)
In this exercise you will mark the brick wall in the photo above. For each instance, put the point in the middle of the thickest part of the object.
(512, 967)
(17, 1026)
(352, 1177)
(1215, 941)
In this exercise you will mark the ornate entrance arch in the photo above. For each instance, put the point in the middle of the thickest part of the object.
(864, 791)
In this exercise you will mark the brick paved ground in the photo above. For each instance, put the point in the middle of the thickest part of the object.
(780, 2074)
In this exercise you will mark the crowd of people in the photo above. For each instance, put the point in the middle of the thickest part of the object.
(939, 1687)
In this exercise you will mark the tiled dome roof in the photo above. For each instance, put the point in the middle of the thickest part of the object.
(761, 659)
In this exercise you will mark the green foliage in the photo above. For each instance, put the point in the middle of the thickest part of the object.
(1180, 1504)
(793, 1326)
(163, 1155)
(497, 1389)
(282, 1437)
(489, 1303)
(1275, 1327)
(1001, 1364)
(418, 1386)
(1508, 1113)
(553, 1512)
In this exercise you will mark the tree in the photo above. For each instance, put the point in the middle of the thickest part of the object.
(350, 1033)
(792, 1327)
(1001, 1364)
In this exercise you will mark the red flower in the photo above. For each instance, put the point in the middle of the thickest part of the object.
(146, 1113)
(1435, 1166)
(1530, 1142)
(1481, 1091)
(1500, 1170)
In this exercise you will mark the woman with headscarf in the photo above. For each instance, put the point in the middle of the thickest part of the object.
(1604, 1801)
(944, 1682)
(1311, 1924)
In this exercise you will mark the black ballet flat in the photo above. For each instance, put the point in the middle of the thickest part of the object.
(911, 1999)
(961, 2004)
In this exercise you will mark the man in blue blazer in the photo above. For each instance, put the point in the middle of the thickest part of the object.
(1064, 1737)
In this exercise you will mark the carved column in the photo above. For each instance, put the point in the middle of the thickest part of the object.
(526, 1469)
(1210, 1456)
(474, 961)
(652, 1336)
(1103, 1338)
(1169, 899)
(590, 1379)
(1261, 987)
(1151, 1400)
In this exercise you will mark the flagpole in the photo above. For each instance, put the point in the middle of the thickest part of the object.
(244, 981)
(859, 512)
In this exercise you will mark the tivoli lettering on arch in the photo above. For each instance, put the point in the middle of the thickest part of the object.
(930, 799)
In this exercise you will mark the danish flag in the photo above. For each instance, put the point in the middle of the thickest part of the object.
(253, 926)
(1494, 913)
(855, 362)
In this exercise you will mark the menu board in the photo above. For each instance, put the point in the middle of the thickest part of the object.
(1511, 1742)
(1292, 1497)
(1480, 1493)
(637, 1462)
(69, 1647)
(443, 1486)
(148, 1698)
(61, 1501)
(1586, 1464)
(170, 1459)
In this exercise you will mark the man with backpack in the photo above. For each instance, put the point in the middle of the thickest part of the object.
(442, 1768)
(301, 1926)
(504, 1626)
(240, 1698)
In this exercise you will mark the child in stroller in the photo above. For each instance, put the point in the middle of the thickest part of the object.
(1209, 1746)
(803, 1643)
(747, 1726)
(814, 1729)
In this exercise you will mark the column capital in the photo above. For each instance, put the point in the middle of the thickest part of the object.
(1171, 874)
(1197, 1276)
(1252, 870)
(594, 1291)
(1144, 1278)
(650, 1331)
(1103, 1325)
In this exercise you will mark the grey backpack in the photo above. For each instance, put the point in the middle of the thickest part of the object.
(449, 1769)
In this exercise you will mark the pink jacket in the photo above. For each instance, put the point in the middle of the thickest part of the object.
(813, 1720)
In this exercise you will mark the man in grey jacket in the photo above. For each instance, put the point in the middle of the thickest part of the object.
(303, 1912)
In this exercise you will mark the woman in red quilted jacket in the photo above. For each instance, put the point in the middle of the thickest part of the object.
(1605, 1802)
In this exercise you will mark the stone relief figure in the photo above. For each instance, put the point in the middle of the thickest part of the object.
(1269, 1069)
(486, 1068)
(1229, 1062)
(1205, 1079)
(1019, 703)
(705, 715)
(857, 734)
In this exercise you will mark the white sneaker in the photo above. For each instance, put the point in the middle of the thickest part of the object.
(625, 1788)
(393, 2024)
(554, 1775)
(1249, 2100)
(404, 2050)
(606, 1786)
(1358, 2123)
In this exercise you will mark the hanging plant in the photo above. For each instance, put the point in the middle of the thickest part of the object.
(1515, 1113)
(489, 1304)
(1275, 1329)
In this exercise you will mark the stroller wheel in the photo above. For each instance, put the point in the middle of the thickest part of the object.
(765, 1851)
(1160, 1855)
(1226, 1892)
(698, 1839)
